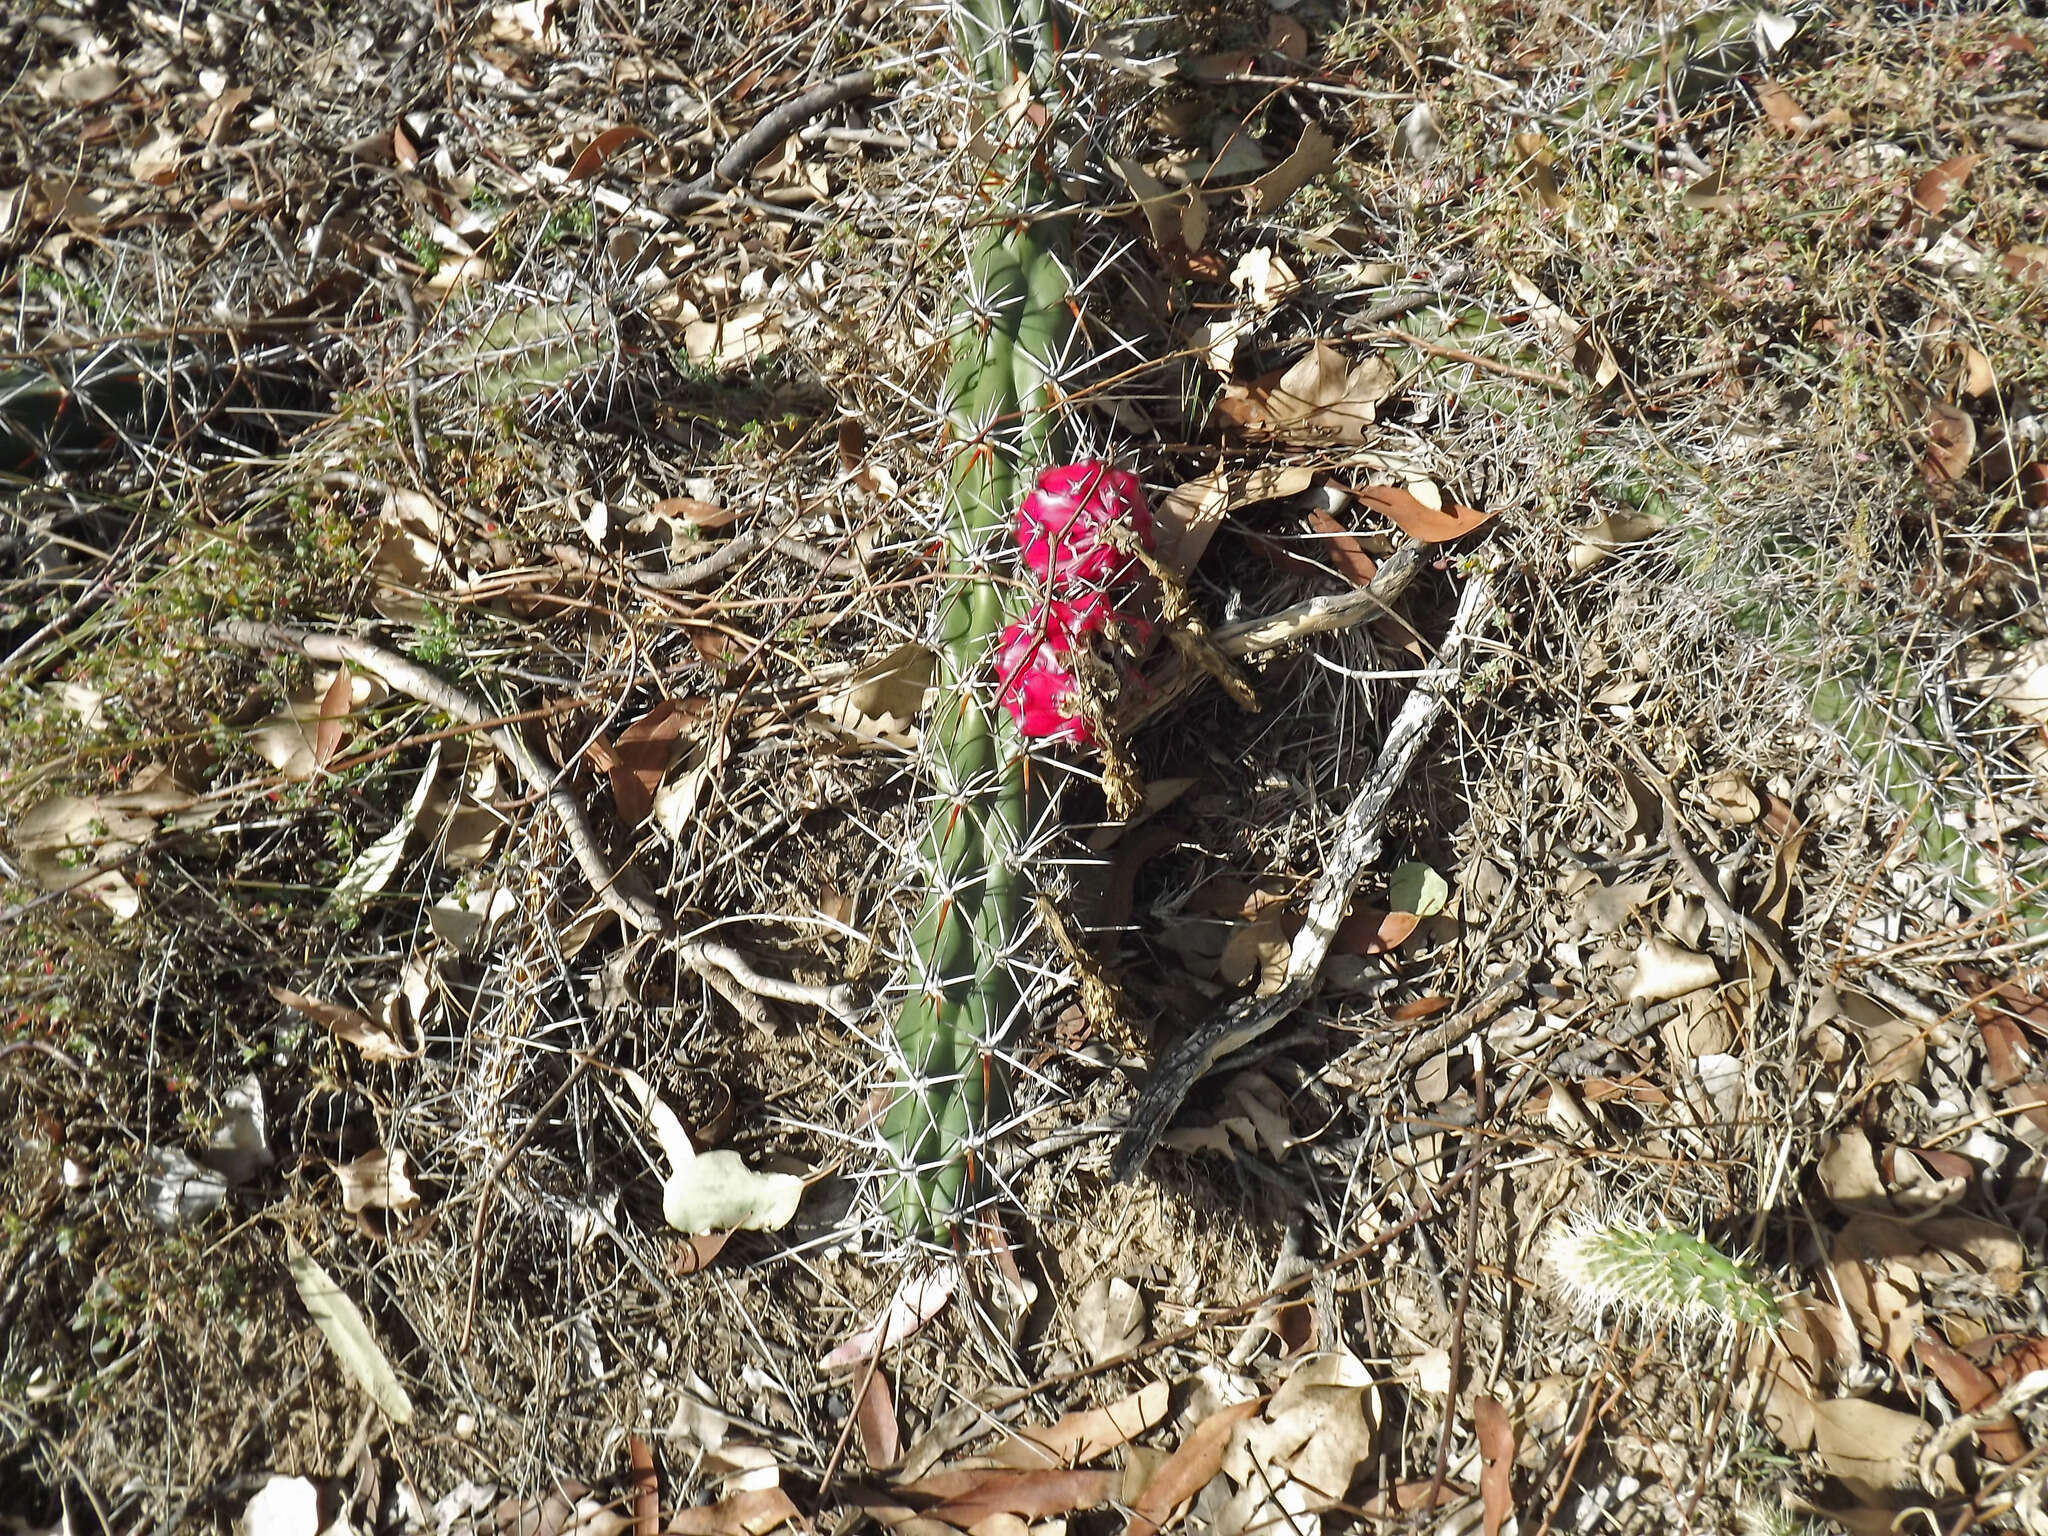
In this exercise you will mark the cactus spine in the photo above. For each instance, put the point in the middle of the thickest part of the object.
(1008, 338)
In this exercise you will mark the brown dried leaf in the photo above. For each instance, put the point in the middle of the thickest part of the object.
(1781, 107)
(1934, 189)
(334, 708)
(966, 1498)
(358, 1029)
(2006, 1055)
(2025, 262)
(1188, 516)
(1313, 155)
(591, 158)
(874, 1418)
(1320, 399)
(1371, 931)
(1408, 1498)
(1433, 525)
(1188, 1470)
(1848, 1172)
(1896, 1048)
(1287, 37)
(1972, 1388)
(1878, 1288)
(1343, 551)
(1079, 1438)
(376, 1181)
(642, 755)
(1109, 1318)
(1497, 1462)
(1319, 1428)
(1870, 1447)
(1539, 167)
(1951, 442)
(750, 1513)
(694, 1253)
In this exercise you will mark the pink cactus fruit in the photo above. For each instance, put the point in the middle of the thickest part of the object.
(1064, 522)
(1034, 664)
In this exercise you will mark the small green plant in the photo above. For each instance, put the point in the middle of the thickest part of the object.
(576, 221)
(1659, 1274)
(426, 250)
(435, 644)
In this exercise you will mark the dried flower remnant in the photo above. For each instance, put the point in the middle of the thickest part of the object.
(1035, 664)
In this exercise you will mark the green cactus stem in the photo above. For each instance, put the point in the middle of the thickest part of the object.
(1008, 339)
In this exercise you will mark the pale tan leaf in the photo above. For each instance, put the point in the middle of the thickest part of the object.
(1664, 970)
(1109, 1318)
(1869, 1446)
(1315, 153)
(350, 1338)
(712, 1191)
(370, 871)
(376, 1181)
(1188, 516)
(1079, 1438)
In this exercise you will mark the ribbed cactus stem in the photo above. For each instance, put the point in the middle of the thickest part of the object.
(1008, 337)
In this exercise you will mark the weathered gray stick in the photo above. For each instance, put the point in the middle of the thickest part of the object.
(1357, 845)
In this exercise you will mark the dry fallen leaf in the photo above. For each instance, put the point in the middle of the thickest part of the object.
(881, 701)
(1496, 1436)
(1188, 516)
(712, 1191)
(1313, 155)
(1109, 1318)
(915, 1302)
(1871, 1448)
(1895, 1048)
(1320, 399)
(1414, 517)
(1538, 168)
(874, 1419)
(1594, 544)
(376, 1181)
(1343, 551)
(1300, 1456)
(350, 1338)
(747, 335)
(1971, 1387)
(1080, 1437)
(1951, 441)
(1933, 190)
(1189, 1469)
(1265, 280)
(643, 752)
(1664, 970)
(970, 1497)
(750, 1512)
(592, 157)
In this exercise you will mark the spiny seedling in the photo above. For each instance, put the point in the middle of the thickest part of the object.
(1659, 1274)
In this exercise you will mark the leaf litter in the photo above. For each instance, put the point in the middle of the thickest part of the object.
(547, 325)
